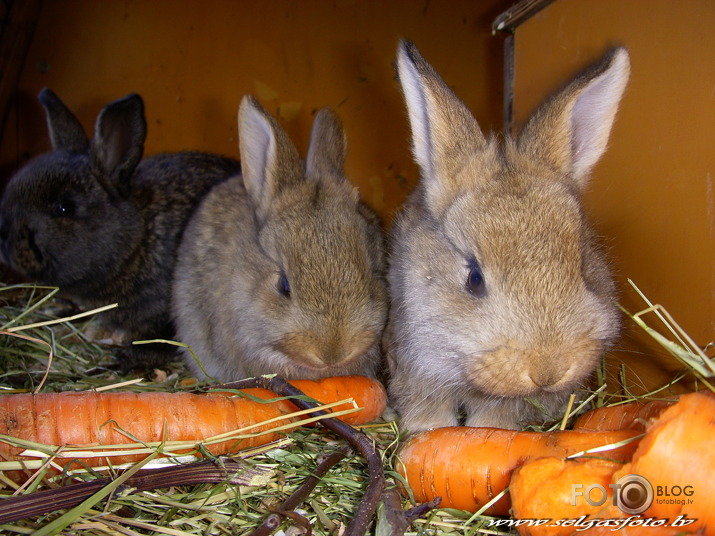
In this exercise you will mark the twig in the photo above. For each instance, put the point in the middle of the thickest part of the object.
(397, 520)
(360, 441)
(229, 470)
(273, 521)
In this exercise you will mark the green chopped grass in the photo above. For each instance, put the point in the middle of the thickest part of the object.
(43, 346)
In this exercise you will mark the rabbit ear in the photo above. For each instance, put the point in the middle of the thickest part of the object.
(444, 132)
(269, 160)
(118, 142)
(65, 130)
(570, 131)
(328, 145)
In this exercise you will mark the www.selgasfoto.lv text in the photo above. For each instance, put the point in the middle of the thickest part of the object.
(584, 522)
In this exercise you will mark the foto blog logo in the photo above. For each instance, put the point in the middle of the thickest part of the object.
(632, 494)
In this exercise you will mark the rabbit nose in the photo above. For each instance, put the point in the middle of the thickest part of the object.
(331, 355)
(545, 376)
(325, 355)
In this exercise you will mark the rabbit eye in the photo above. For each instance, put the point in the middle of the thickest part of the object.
(475, 279)
(284, 285)
(65, 209)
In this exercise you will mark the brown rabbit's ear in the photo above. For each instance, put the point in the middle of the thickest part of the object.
(328, 145)
(444, 131)
(118, 142)
(269, 160)
(65, 130)
(570, 131)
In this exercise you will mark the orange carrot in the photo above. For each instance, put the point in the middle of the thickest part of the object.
(670, 477)
(468, 467)
(369, 394)
(547, 488)
(631, 416)
(557, 490)
(677, 458)
(94, 419)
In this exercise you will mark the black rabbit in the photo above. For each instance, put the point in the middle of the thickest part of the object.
(94, 219)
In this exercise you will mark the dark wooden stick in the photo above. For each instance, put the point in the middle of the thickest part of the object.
(399, 520)
(273, 521)
(230, 470)
(360, 441)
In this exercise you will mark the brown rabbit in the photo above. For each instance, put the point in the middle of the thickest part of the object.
(282, 270)
(502, 299)
(94, 219)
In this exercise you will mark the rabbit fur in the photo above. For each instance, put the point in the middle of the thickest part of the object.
(282, 269)
(94, 219)
(501, 295)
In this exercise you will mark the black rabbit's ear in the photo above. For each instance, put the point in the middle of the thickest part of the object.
(64, 128)
(118, 142)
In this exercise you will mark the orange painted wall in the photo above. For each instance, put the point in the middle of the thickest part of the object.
(653, 194)
(192, 61)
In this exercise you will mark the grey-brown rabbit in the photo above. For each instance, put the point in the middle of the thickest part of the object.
(500, 292)
(282, 270)
(94, 219)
